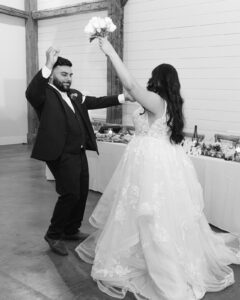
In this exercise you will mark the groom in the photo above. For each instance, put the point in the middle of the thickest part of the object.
(64, 134)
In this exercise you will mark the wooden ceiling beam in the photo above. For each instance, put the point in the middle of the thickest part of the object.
(7, 10)
(70, 10)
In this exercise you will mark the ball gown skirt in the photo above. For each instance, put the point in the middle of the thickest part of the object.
(152, 237)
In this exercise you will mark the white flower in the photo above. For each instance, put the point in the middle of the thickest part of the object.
(89, 29)
(109, 24)
(95, 22)
(108, 21)
(98, 23)
(112, 27)
(102, 23)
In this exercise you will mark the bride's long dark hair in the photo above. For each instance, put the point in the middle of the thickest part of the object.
(165, 83)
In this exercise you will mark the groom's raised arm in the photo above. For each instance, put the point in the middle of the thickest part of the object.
(102, 102)
(36, 90)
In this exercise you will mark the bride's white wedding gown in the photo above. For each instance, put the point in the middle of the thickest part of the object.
(152, 237)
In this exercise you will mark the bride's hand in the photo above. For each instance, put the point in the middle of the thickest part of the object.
(128, 97)
(105, 46)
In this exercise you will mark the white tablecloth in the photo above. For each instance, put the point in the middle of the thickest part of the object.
(220, 181)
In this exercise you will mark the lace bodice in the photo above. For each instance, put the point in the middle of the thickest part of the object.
(157, 129)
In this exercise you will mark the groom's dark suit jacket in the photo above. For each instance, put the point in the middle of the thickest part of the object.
(51, 111)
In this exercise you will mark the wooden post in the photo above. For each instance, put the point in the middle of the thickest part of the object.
(114, 86)
(124, 2)
(31, 63)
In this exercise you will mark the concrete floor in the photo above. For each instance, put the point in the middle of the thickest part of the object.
(28, 270)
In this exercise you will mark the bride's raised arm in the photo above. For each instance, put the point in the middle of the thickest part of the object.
(149, 100)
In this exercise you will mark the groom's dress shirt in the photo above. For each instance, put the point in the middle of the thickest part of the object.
(46, 72)
(65, 97)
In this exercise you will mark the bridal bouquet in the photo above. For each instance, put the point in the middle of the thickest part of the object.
(99, 27)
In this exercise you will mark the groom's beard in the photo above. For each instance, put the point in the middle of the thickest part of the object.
(62, 86)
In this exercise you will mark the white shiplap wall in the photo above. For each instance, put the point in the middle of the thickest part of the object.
(13, 105)
(46, 4)
(201, 38)
(89, 63)
(19, 4)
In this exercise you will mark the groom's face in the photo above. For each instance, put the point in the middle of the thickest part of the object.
(62, 77)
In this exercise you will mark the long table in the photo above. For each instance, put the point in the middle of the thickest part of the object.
(220, 181)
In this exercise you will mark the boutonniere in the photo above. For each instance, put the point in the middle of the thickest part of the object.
(73, 96)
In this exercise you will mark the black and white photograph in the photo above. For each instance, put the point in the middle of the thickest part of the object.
(120, 150)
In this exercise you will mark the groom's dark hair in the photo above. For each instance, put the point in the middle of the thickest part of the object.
(61, 61)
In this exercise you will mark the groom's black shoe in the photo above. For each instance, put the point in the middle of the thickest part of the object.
(57, 246)
(78, 236)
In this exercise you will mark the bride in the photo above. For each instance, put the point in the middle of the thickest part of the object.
(152, 237)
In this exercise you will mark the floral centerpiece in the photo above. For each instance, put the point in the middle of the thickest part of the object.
(115, 133)
(226, 151)
(191, 147)
(114, 137)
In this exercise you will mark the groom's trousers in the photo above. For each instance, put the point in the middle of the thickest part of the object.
(72, 178)
(72, 183)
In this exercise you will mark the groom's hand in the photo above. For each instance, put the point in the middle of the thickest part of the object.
(51, 57)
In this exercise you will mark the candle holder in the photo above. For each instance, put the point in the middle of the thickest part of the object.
(237, 147)
(237, 151)
(110, 132)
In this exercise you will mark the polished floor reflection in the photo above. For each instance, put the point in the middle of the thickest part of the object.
(28, 270)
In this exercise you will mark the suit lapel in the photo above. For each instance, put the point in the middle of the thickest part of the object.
(82, 110)
(61, 100)
(77, 101)
(58, 95)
